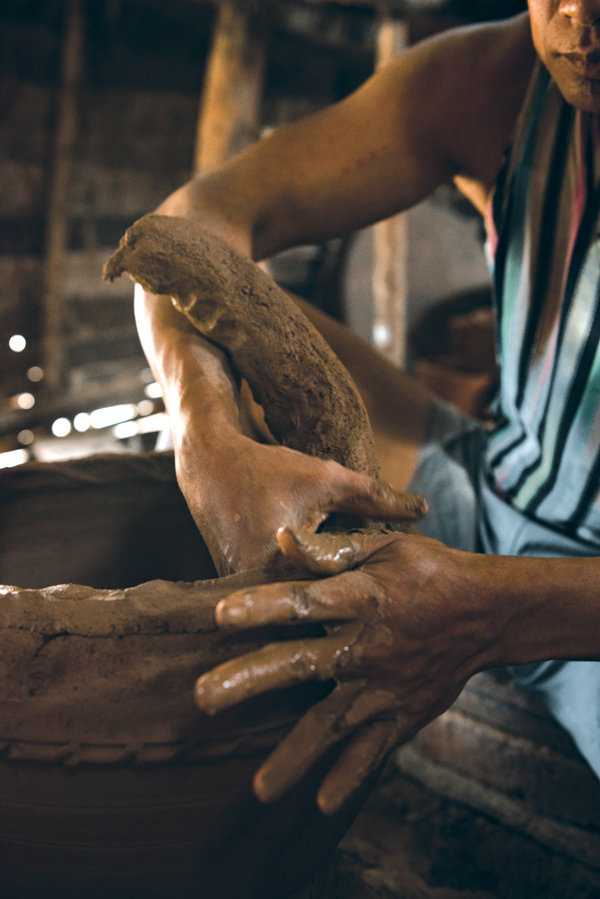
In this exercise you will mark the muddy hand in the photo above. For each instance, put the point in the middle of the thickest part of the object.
(254, 489)
(401, 642)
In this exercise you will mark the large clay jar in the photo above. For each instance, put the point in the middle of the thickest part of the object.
(112, 783)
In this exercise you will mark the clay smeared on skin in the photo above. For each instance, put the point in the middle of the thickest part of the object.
(310, 401)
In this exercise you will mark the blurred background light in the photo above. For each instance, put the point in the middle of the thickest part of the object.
(14, 457)
(112, 415)
(153, 390)
(17, 343)
(61, 427)
(82, 422)
(35, 373)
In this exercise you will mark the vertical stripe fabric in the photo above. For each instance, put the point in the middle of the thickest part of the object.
(543, 456)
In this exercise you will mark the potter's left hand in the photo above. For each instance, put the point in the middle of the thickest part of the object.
(403, 637)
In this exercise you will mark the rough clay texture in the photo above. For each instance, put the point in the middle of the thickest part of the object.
(410, 842)
(303, 387)
(112, 782)
(83, 673)
(490, 801)
(107, 675)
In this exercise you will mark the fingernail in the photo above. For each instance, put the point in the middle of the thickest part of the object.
(301, 541)
(329, 805)
(260, 789)
(268, 787)
(285, 537)
(233, 615)
(202, 697)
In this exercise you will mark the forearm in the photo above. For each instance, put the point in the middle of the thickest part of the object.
(380, 150)
(537, 609)
(199, 390)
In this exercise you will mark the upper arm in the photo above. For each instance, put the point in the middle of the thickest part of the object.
(442, 109)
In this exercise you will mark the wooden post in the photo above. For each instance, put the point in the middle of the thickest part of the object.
(233, 84)
(57, 222)
(390, 237)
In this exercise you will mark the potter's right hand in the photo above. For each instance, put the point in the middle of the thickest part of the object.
(245, 491)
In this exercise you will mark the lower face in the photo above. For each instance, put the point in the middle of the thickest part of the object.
(570, 52)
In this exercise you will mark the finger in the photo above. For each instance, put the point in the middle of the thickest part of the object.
(329, 554)
(273, 667)
(361, 495)
(347, 708)
(360, 759)
(322, 726)
(293, 601)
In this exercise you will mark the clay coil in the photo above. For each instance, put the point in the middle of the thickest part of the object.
(303, 387)
(112, 783)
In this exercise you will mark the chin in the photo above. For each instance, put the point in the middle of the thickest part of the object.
(582, 93)
(586, 98)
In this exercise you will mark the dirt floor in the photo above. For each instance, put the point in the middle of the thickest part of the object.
(409, 843)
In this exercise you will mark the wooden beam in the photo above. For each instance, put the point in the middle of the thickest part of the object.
(57, 222)
(390, 237)
(230, 106)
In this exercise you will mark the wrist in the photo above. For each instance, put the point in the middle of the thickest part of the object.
(202, 201)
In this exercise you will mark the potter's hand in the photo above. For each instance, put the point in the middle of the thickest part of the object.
(241, 490)
(243, 493)
(403, 637)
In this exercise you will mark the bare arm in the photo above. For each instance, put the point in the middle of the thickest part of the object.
(239, 490)
(445, 108)
(408, 620)
(382, 149)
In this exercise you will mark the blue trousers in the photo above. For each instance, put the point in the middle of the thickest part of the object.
(465, 514)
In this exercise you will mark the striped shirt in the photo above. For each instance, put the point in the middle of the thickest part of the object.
(543, 456)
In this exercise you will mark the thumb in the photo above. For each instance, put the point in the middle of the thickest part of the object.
(328, 554)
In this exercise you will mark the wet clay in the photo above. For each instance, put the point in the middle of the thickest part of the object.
(106, 674)
(310, 401)
(112, 783)
(82, 680)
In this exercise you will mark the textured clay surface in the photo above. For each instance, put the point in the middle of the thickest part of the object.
(107, 674)
(303, 387)
(112, 782)
(84, 677)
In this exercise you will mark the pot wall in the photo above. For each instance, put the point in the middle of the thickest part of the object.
(112, 783)
(104, 521)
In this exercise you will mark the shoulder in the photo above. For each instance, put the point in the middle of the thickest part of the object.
(464, 88)
(487, 46)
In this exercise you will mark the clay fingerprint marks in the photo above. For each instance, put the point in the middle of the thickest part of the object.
(311, 403)
(84, 681)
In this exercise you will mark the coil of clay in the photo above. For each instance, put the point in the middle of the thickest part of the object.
(111, 781)
(310, 401)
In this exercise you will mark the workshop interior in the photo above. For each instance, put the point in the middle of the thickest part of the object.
(106, 108)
